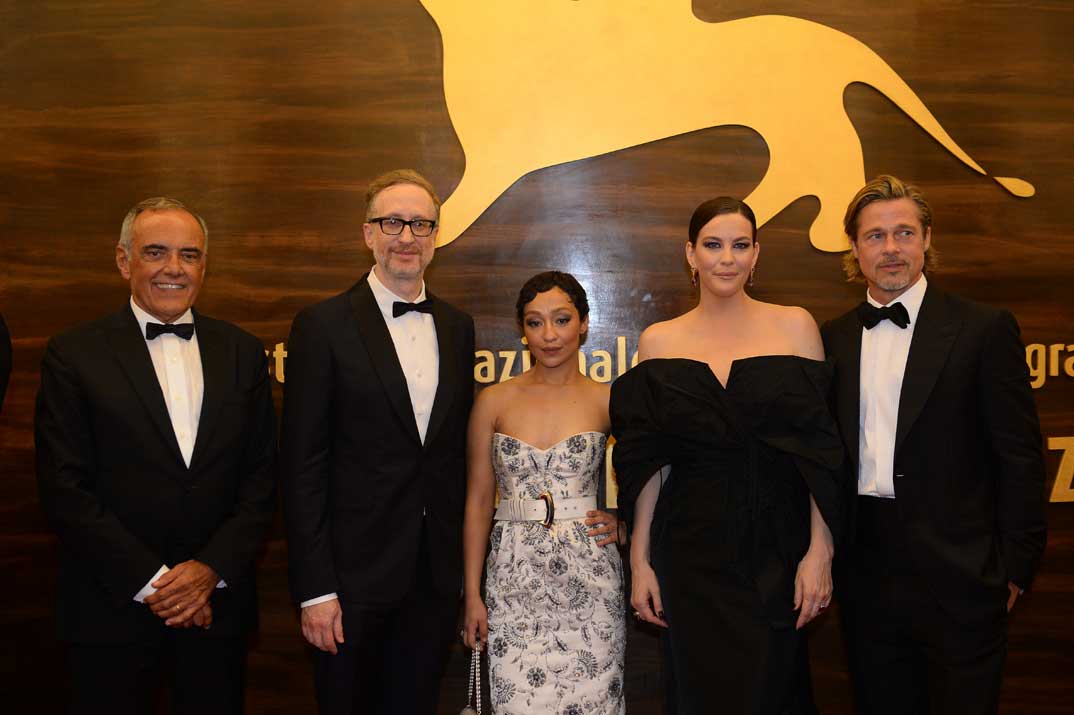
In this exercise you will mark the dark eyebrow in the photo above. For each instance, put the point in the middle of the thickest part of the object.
(720, 238)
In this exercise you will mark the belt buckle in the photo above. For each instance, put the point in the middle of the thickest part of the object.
(550, 509)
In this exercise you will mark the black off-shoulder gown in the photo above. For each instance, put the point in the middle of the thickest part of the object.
(732, 522)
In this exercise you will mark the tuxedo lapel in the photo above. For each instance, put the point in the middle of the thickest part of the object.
(381, 350)
(214, 369)
(847, 351)
(130, 350)
(445, 391)
(933, 336)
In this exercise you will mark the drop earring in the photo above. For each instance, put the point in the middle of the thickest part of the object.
(693, 276)
(752, 271)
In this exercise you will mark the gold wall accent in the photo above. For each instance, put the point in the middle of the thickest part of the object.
(534, 83)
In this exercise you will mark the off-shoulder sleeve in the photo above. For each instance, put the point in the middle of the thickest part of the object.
(808, 433)
(640, 441)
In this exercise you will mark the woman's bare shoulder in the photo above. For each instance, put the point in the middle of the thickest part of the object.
(796, 324)
(659, 339)
(492, 397)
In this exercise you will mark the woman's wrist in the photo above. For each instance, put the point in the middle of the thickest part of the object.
(819, 549)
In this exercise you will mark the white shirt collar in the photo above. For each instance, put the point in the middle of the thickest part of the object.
(386, 297)
(911, 299)
(143, 317)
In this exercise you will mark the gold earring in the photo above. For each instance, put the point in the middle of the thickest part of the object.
(693, 276)
(752, 271)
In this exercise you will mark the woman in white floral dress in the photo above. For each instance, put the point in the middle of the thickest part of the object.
(553, 614)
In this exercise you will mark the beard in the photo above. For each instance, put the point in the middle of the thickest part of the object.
(389, 263)
(898, 281)
(894, 283)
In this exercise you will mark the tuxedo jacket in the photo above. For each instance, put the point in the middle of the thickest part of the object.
(968, 469)
(114, 485)
(360, 487)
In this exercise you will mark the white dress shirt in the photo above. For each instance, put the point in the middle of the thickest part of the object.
(177, 363)
(884, 350)
(414, 337)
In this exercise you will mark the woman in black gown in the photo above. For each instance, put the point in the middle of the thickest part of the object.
(729, 468)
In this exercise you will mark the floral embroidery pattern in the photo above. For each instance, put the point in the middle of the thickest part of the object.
(555, 602)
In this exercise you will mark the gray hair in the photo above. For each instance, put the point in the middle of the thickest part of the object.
(157, 203)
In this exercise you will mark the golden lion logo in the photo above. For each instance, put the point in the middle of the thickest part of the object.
(534, 83)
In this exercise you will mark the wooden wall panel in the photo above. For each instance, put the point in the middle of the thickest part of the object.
(271, 116)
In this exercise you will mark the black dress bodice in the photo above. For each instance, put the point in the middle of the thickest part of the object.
(744, 460)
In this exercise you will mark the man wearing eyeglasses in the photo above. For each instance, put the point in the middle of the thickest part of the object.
(378, 393)
(156, 463)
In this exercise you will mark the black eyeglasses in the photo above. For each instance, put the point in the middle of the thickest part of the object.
(393, 226)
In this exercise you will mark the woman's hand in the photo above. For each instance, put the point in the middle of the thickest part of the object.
(813, 584)
(606, 525)
(475, 632)
(645, 594)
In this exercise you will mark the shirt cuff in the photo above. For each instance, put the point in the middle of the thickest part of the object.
(319, 599)
(147, 589)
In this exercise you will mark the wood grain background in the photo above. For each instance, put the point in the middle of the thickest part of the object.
(270, 117)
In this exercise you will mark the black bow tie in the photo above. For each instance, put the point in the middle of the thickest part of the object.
(401, 308)
(183, 330)
(870, 315)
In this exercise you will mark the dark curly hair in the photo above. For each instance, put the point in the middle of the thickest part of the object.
(544, 282)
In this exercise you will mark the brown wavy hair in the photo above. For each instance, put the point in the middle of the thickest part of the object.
(885, 188)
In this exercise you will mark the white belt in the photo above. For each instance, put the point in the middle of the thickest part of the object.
(545, 510)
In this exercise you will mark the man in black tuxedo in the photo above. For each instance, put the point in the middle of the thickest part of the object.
(378, 393)
(156, 458)
(933, 399)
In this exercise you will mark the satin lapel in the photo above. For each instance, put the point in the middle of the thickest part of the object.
(445, 387)
(935, 332)
(378, 344)
(215, 356)
(130, 349)
(848, 385)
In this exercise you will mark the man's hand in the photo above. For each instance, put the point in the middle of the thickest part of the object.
(322, 625)
(1015, 592)
(182, 592)
(201, 619)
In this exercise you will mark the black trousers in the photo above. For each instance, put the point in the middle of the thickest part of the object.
(204, 674)
(392, 658)
(907, 655)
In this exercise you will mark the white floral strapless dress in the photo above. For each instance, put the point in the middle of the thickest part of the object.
(557, 629)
